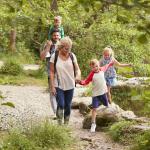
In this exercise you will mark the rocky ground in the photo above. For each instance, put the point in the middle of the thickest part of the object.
(32, 103)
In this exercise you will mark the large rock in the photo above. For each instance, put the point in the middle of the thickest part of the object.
(107, 116)
(83, 108)
(82, 103)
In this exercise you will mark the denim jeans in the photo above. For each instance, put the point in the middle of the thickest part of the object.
(64, 100)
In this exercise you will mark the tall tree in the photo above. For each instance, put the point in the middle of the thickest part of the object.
(54, 5)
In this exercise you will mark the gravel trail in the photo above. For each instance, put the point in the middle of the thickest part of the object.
(32, 103)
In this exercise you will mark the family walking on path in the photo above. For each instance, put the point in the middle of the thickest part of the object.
(64, 73)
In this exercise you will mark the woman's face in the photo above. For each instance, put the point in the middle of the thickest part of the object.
(65, 49)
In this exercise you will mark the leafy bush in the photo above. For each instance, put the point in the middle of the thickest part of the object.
(44, 136)
(143, 142)
(50, 136)
(18, 141)
(40, 73)
(11, 68)
(122, 132)
(88, 91)
(142, 70)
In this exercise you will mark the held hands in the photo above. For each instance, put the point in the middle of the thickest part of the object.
(77, 81)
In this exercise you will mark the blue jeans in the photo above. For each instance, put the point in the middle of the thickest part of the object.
(64, 99)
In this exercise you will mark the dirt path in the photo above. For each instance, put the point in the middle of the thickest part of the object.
(33, 102)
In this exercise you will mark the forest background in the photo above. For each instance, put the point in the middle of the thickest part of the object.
(91, 24)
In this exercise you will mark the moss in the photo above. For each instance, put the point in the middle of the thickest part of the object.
(123, 132)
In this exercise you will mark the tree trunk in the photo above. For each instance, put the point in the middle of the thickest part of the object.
(54, 5)
(12, 39)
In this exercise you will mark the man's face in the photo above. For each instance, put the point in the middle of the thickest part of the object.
(56, 36)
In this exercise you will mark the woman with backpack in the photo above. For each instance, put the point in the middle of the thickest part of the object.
(64, 70)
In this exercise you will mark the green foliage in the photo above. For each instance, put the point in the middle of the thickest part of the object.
(133, 98)
(22, 80)
(100, 24)
(142, 70)
(38, 74)
(18, 141)
(1, 96)
(51, 136)
(88, 91)
(142, 142)
(43, 136)
(11, 68)
(10, 104)
(122, 132)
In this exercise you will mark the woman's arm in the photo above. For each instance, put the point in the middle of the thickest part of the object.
(77, 71)
(52, 86)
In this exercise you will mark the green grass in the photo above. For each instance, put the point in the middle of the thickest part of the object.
(125, 71)
(122, 132)
(17, 57)
(142, 142)
(44, 136)
(22, 80)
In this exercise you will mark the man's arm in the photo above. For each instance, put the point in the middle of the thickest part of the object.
(46, 50)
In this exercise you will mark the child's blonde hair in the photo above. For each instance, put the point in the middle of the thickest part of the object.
(58, 18)
(93, 62)
(108, 49)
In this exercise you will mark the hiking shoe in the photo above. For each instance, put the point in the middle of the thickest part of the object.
(93, 127)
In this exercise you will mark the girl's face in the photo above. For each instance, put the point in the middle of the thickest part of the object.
(95, 67)
(106, 54)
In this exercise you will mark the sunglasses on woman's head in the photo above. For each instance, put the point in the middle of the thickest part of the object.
(66, 48)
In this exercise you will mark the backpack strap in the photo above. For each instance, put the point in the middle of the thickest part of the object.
(72, 59)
